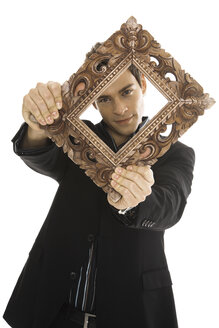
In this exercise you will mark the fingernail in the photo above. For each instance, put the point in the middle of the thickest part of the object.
(55, 114)
(115, 176)
(49, 119)
(118, 170)
(58, 105)
(129, 168)
(113, 183)
(42, 122)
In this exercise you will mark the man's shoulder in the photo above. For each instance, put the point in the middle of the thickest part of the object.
(178, 152)
(179, 146)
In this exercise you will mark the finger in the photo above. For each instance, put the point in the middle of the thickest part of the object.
(26, 116)
(38, 100)
(144, 171)
(126, 194)
(48, 98)
(55, 89)
(29, 107)
(132, 186)
(132, 176)
(120, 204)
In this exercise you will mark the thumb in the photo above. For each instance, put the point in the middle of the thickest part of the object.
(113, 197)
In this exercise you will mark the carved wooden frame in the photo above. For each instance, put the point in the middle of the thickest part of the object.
(130, 45)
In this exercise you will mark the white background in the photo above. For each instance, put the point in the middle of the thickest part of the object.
(47, 40)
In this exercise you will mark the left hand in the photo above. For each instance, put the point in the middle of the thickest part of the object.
(134, 185)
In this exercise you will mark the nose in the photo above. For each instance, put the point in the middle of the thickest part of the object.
(119, 107)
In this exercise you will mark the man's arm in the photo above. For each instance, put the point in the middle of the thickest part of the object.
(45, 158)
(31, 142)
(163, 208)
(34, 139)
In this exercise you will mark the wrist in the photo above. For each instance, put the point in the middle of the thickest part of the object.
(36, 135)
(34, 138)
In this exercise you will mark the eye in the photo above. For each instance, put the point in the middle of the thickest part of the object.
(127, 92)
(103, 100)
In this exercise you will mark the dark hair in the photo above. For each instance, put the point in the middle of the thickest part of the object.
(135, 71)
(132, 68)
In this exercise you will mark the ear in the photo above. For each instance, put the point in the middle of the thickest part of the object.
(143, 83)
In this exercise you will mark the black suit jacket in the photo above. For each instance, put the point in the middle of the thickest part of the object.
(133, 281)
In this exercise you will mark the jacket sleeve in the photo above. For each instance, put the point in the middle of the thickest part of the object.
(173, 175)
(49, 160)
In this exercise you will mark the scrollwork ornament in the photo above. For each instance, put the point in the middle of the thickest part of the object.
(131, 45)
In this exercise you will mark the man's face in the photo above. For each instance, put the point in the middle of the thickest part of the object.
(121, 106)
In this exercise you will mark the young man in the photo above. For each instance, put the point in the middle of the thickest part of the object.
(88, 257)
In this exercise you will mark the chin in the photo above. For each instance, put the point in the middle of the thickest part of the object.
(127, 133)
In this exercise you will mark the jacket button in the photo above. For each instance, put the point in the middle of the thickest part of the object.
(73, 275)
(90, 237)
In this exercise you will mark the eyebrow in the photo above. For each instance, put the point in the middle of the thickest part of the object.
(123, 89)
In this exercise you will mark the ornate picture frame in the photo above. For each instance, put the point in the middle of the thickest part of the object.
(185, 102)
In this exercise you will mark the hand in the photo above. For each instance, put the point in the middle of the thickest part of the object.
(43, 102)
(134, 185)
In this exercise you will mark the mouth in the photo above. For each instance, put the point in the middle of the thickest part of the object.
(125, 121)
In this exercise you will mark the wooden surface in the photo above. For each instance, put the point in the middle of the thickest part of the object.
(130, 45)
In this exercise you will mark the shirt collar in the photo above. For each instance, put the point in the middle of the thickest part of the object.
(103, 127)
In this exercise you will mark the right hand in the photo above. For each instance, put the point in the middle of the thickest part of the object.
(43, 102)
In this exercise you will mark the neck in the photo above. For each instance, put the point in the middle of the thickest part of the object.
(117, 138)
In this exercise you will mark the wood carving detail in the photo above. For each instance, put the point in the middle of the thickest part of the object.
(131, 45)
